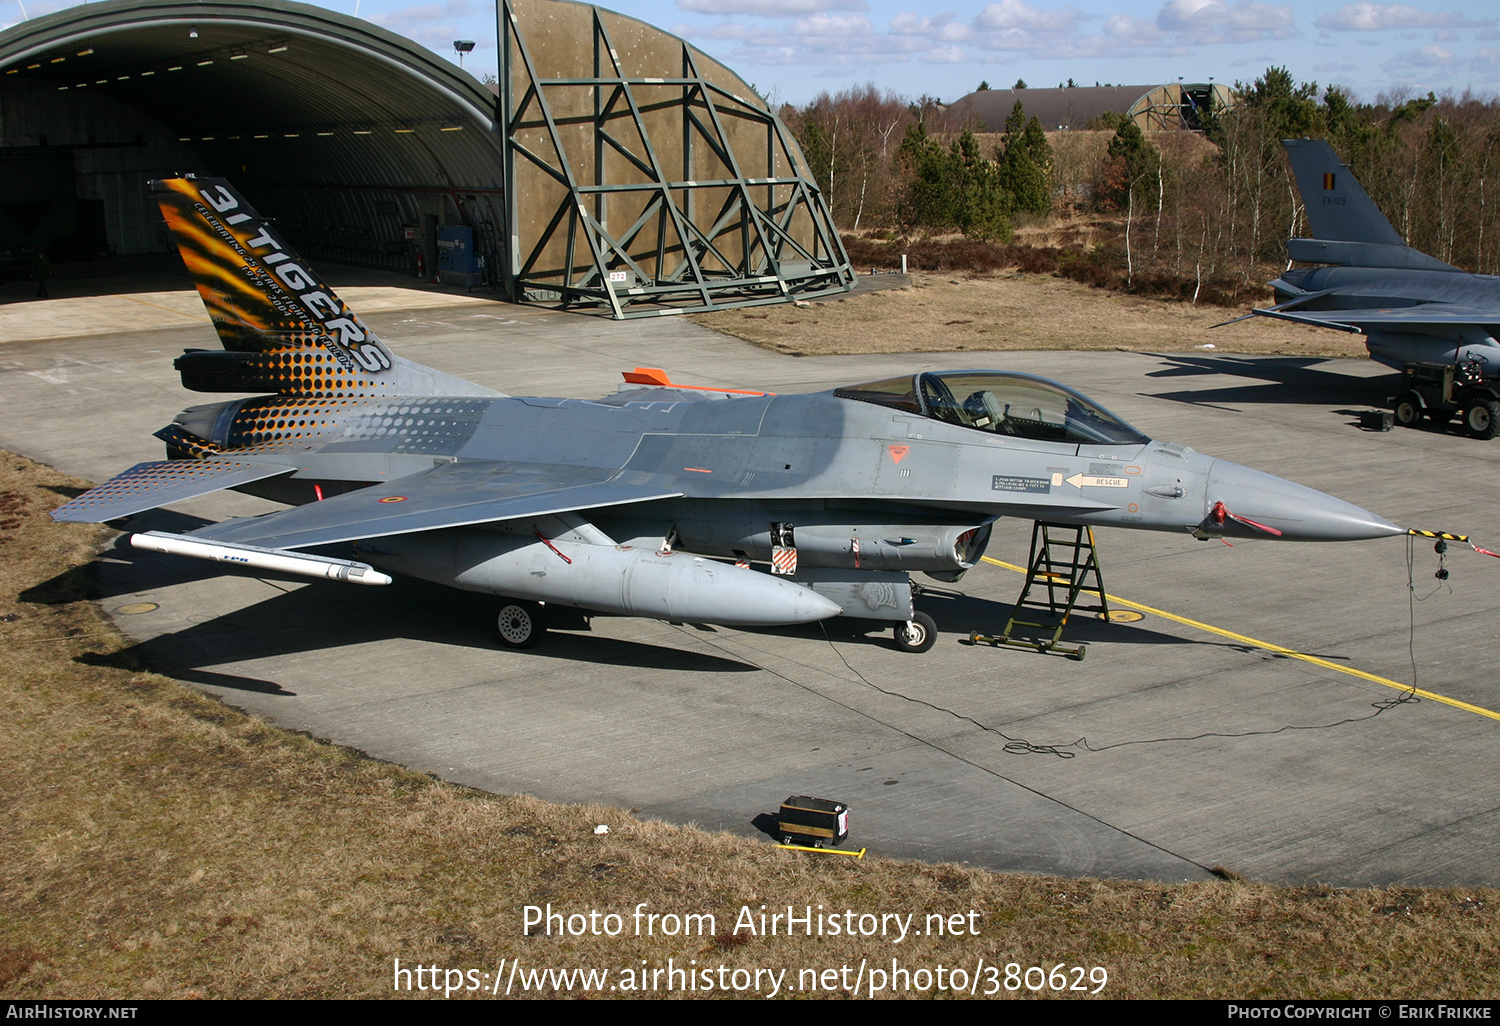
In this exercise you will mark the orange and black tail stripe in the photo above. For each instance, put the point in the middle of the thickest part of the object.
(284, 328)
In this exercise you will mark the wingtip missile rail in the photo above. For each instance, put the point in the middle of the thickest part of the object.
(280, 560)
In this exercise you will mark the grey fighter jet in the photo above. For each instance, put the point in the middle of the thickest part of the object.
(657, 501)
(1411, 307)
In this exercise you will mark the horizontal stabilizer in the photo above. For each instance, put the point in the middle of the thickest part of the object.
(1363, 254)
(453, 495)
(1290, 304)
(260, 559)
(149, 485)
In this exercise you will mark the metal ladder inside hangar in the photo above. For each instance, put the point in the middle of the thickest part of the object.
(1066, 567)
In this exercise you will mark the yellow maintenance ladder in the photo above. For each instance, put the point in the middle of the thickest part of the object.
(1065, 567)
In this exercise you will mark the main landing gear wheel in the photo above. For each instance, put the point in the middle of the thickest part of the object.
(520, 624)
(1408, 409)
(1482, 418)
(917, 634)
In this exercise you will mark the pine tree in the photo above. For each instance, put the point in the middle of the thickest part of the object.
(1129, 161)
(953, 189)
(1025, 159)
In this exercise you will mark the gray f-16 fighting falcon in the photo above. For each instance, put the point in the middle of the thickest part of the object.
(1411, 307)
(654, 501)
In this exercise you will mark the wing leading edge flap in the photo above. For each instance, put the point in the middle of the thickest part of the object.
(452, 495)
(149, 485)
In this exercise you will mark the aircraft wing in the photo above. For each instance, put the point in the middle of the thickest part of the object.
(1358, 319)
(1271, 311)
(149, 485)
(452, 495)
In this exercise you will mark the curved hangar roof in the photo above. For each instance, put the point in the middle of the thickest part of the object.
(279, 96)
(672, 186)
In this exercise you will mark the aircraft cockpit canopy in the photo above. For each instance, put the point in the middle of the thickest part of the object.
(1000, 403)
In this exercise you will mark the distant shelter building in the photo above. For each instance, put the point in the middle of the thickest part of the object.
(612, 164)
(1175, 106)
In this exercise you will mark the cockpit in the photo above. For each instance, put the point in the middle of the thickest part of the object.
(1001, 403)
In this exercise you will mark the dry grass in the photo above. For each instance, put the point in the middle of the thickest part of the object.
(158, 843)
(1010, 311)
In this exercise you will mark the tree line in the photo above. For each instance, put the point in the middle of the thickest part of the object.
(1211, 207)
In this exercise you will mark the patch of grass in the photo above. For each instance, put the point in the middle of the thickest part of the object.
(1090, 253)
(1013, 310)
(159, 843)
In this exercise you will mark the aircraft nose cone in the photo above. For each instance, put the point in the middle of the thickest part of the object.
(1298, 512)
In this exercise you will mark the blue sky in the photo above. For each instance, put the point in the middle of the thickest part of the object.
(793, 49)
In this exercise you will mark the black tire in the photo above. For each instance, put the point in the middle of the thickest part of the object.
(917, 634)
(1482, 418)
(1408, 409)
(520, 624)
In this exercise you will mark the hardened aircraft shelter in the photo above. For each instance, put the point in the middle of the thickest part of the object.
(611, 164)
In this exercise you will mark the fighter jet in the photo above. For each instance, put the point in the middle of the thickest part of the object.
(1411, 307)
(660, 500)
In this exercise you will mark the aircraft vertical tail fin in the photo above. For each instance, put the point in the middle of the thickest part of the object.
(282, 327)
(1347, 227)
(1338, 208)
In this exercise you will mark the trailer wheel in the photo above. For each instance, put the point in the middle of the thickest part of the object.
(520, 624)
(1408, 409)
(917, 634)
(1482, 418)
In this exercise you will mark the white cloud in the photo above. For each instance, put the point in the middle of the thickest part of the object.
(1367, 17)
(729, 30)
(434, 25)
(1429, 56)
(1015, 26)
(940, 26)
(1219, 21)
(1129, 29)
(836, 25)
(422, 13)
(771, 8)
(834, 43)
(946, 55)
(774, 56)
(1014, 15)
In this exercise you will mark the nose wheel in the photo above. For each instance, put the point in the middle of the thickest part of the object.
(917, 634)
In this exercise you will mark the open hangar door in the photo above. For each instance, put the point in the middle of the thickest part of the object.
(617, 166)
(350, 136)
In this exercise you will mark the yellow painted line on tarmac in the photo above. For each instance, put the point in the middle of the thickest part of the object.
(1279, 650)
